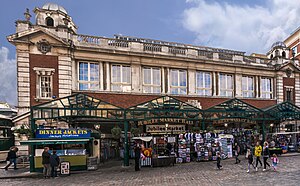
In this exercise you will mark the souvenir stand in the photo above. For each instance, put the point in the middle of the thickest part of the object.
(146, 150)
(163, 151)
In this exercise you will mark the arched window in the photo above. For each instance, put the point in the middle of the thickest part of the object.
(283, 54)
(49, 21)
(271, 57)
(277, 53)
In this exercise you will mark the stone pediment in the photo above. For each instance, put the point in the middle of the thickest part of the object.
(34, 35)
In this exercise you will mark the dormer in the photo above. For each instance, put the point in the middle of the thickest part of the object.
(54, 16)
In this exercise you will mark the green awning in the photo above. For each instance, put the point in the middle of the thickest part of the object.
(54, 141)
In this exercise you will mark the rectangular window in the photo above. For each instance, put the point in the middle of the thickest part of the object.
(45, 86)
(289, 94)
(247, 87)
(88, 76)
(203, 83)
(266, 88)
(178, 80)
(226, 85)
(151, 80)
(120, 78)
(294, 50)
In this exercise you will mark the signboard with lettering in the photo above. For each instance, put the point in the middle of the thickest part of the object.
(165, 120)
(175, 129)
(62, 133)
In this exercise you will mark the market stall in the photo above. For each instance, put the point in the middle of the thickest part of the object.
(72, 145)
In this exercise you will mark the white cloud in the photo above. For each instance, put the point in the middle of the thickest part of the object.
(8, 77)
(241, 27)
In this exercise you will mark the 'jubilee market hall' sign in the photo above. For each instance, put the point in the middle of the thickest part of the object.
(165, 120)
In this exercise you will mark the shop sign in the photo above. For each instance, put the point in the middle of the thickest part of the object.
(63, 133)
(229, 120)
(163, 129)
(165, 120)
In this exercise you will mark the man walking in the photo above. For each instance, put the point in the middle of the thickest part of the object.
(46, 162)
(54, 162)
(12, 157)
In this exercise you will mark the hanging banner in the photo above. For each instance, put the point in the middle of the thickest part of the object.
(62, 133)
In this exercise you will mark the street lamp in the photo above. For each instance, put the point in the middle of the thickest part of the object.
(97, 127)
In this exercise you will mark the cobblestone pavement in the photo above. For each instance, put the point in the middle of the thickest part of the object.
(196, 173)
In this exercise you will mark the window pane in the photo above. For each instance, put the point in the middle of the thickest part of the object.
(156, 77)
(250, 83)
(182, 91)
(174, 77)
(116, 87)
(116, 73)
(174, 90)
(83, 86)
(94, 86)
(207, 80)
(182, 78)
(147, 76)
(83, 71)
(222, 81)
(126, 74)
(94, 72)
(156, 89)
(199, 79)
(147, 89)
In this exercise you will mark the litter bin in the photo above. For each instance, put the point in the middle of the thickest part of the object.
(65, 168)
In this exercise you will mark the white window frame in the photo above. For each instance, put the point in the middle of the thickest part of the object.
(178, 80)
(122, 84)
(152, 85)
(227, 90)
(204, 88)
(263, 93)
(295, 50)
(247, 91)
(89, 82)
(42, 72)
(41, 87)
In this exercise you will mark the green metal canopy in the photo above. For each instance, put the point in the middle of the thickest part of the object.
(163, 107)
(77, 106)
(233, 108)
(283, 111)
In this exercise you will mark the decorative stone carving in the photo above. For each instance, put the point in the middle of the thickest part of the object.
(44, 46)
(288, 72)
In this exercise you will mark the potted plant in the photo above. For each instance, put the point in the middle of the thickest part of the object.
(23, 132)
(135, 131)
(116, 132)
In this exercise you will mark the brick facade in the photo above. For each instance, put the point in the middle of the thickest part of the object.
(42, 61)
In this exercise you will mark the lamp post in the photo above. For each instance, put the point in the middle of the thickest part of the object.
(98, 127)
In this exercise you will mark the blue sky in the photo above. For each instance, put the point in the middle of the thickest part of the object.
(248, 25)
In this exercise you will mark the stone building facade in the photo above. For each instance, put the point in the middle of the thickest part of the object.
(54, 61)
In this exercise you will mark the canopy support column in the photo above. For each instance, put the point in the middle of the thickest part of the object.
(264, 130)
(126, 150)
(32, 147)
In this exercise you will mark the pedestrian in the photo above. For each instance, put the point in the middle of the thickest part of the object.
(219, 166)
(46, 162)
(249, 157)
(275, 161)
(54, 162)
(266, 155)
(12, 158)
(237, 150)
(257, 154)
(137, 156)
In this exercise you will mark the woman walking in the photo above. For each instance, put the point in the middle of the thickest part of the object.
(266, 155)
(257, 154)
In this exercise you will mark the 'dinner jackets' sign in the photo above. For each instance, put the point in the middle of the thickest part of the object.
(63, 133)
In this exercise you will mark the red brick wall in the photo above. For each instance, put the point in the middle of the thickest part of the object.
(43, 61)
(291, 83)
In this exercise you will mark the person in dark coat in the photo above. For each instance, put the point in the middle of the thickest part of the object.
(12, 158)
(54, 162)
(266, 155)
(46, 162)
(137, 156)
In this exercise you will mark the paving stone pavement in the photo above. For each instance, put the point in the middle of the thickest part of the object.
(196, 173)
